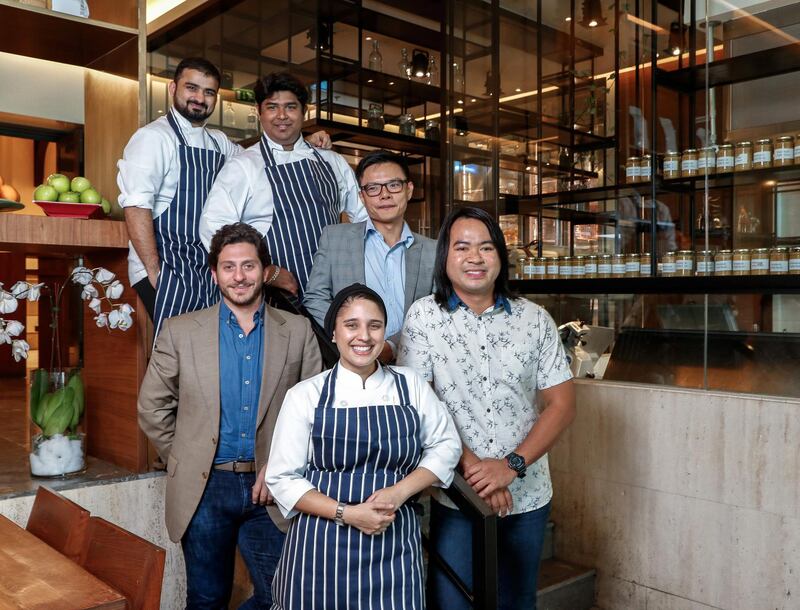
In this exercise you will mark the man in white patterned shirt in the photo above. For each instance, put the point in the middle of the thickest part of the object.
(492, 359)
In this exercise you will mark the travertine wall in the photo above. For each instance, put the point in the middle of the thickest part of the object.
(682, 500)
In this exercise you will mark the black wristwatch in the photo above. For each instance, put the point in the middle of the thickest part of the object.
(517, 463)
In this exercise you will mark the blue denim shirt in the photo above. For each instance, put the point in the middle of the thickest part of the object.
(385, 272)
(455, 301)
(240, 363)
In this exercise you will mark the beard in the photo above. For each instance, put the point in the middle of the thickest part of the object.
(194, 116)
(242, 300)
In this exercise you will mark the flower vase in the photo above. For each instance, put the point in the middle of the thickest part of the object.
(58, 444)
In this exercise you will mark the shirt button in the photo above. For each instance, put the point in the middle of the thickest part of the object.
(491, 440)
(483, 379)
(241, 336)
(482, 347)
(244, 435)
(247, 381)
(214, 440)
(343, 403)
(205, 475)
(247, 357)
(488, 410)
(246, 408)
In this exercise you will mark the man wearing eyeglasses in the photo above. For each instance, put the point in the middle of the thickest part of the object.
(381, 252)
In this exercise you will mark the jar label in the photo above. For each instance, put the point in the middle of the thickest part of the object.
(644, 172)
(684, 264)
(538, 270)
(565, 271)
(725, 162)
(688, 165)
(705, 162)
(742, 159)
(778, 266)
(632, 267)
(632, 171)
(578, 270)
(704, 266)
(592, 267)
(741, 265)
(797, 151)
(618, 268)
(528, 269)
(552, 269)
(668, 268)
(644, 269)
(762, 156)
(794, 264)
(671, 165)
(784, 154)
(759, 264)
(722, 266)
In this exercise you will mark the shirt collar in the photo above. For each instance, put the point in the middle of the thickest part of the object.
(500, 302)
(350, 380)
(298, 145)
(183, 122)
(226, 315)
(406, 236)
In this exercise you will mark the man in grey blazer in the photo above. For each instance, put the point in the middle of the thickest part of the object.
(381, 252)
(208, 403)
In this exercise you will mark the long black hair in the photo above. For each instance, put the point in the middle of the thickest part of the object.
(444, 287)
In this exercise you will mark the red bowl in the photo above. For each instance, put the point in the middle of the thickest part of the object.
(61, 209)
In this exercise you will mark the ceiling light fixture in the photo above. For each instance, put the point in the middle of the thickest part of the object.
(592, 14)
(419, 63)
(676, 39)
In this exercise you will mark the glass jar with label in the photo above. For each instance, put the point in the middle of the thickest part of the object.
(759, 261)
(741, 262)
(407, 126)
(539, 268)
(551, 267)
(689, 163)
(779, 261)
(565, 267)
(762, 153)
(527, 267)
(618, 265)
(797, 148)
(707, 161)
(672, 164)
(784, 151)
(590, 266)
(604, 263)
(632, 170)
(794, 260)
(579, 266)
(645, 265)
(631, 265)
(668, 264)
(743, 156)
(375, 116)
(725, 158)
(645, 165)
(684, 262)
(705, 262)
(723, 262)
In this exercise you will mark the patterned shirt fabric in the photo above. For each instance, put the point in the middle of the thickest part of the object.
(240, 368)
(385, 272)
(487, 369)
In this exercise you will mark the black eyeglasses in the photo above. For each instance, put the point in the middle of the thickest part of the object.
(373, 189)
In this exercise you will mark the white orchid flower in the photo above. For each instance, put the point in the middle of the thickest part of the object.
(20, 290)
(14, 328)
(126, 308)
(114, 290)
(8, 304)
(81, 275)
(101, 320)
(125, 320)
(19, 349)
(34, 292)
(104, 276)
(4, 336)
(95, 305)
(113, 318)
(89, 292)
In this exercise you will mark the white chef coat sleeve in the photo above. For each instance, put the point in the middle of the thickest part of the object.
(145, 162)
(415, 350)
(288, 457)
(233, 198)
(351, 203)
(441, 445)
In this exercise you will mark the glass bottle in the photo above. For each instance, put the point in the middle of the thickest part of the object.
(375, 57)
(458, 78)
(405, 64)
(407, 125)
(432, 75)
(252, 122)
(375, 116)
(229, 119)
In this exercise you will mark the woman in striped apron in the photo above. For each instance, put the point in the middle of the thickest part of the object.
(351, 447)
(184, 282)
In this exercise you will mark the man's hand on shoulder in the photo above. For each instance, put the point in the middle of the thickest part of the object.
(320, 139)
(283, 279)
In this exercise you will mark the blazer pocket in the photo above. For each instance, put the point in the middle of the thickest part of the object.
(172, 465)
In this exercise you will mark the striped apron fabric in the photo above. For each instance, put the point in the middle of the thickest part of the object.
(306, 200)
(184, 283)
(355, 452)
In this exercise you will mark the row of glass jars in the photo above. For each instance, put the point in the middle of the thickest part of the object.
(740, 157)
(743, 261)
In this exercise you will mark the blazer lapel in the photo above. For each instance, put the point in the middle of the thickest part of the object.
(205, 344)
(276, 346)
(413, 259)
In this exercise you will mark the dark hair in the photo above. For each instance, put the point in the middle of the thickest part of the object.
(237, 233)
(346, 296)
(443, 286)
(377, 157)
(269, 85)
(201, 65)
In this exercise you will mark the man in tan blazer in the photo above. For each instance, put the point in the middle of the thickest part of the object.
(209, 401)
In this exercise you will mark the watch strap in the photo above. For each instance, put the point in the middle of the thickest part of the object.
(338, 519)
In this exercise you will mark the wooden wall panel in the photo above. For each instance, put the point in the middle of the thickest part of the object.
(118, 12)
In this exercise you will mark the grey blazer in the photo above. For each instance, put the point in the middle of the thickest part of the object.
(339, 262)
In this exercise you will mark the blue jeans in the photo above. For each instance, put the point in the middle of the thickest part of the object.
(224, 518)
(520, 540)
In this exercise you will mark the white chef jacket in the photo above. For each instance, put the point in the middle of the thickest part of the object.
(291, 442)
(242, 191)
(149, 170)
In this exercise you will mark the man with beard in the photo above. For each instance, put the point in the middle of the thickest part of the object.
(164, 177)
(208, 403)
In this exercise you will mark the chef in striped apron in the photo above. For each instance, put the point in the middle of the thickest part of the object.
(283, 187)
(352, 447)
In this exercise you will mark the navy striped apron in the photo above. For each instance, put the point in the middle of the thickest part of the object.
(306, 200)
(184, 283)
(355, 452)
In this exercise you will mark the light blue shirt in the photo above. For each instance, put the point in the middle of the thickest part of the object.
(385, 272)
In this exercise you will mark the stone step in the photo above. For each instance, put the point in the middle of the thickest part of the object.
(565, 586)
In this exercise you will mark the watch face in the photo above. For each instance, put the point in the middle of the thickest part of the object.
(517, 462)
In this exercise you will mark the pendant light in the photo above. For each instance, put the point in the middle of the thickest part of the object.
(592, 14)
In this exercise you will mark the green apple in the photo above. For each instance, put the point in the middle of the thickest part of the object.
(79, 184)
(70, 197)
(90, 196)
(106, 205)
(59, 182)
(45, 192)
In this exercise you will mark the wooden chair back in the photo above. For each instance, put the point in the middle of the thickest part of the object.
(60, 523)
(130, 564)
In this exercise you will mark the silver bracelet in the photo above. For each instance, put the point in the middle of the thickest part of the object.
(275, 275)
(338, 519)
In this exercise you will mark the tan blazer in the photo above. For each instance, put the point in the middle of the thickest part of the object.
(179, 407)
